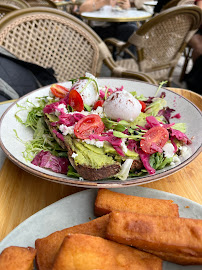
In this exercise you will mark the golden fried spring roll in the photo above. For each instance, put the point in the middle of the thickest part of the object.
(18, 258)
(86, 252)
(107, 201)
(180, 236)
(48, 247)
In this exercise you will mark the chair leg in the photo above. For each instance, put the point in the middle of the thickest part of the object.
(187, 54)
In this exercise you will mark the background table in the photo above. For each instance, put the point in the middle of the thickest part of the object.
(108, 15)
(23, 194)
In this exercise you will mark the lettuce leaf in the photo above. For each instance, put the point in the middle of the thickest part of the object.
(158, 162)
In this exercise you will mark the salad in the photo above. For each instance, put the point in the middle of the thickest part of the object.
(92, 132)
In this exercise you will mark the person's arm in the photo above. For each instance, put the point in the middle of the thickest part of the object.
(124, 4)
(92, 5)
(199, 3)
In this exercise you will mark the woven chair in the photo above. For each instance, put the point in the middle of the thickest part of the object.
(174, 3)
(53, 38)
(4, 9)
(15, 3)
(160, 42)
(41, 3)
(7, 6)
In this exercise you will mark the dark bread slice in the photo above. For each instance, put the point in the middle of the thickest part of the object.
(84, 171)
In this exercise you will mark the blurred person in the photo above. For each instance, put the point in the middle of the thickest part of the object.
(194, 78)
(121, 31)
(196, 40)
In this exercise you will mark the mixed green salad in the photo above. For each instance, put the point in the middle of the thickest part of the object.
(106, 126)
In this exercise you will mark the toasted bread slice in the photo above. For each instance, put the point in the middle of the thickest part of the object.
(179, 236)
(85, 252)
(48, 247)
(108, 201)
(18, 258)
(87, 172)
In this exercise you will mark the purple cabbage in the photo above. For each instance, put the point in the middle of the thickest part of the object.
(174, 133)
(45, 159)
(59, 135)
(152, 122)
(166, 113)
(109, 137)
(145, 160)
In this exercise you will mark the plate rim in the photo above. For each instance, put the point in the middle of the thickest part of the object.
(155, 193)
(98, 184)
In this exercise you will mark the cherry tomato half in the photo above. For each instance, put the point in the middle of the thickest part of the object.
(59, 90)
(143, 105)
(156, 136)
(98, 103)
(76, 101)
(90, 124)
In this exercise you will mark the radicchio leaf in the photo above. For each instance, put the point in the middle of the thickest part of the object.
(45, 159)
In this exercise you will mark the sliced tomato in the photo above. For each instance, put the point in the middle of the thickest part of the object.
(59, 90)
(154, 138)
(143, 105)
(76, 101)
(98, 103)
(90, 124)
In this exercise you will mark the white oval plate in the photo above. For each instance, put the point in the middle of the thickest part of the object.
(79, 208)
(13, 148)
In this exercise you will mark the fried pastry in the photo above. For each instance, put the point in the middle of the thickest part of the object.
(107, 201)
(86, 252)
(170, 235)
(177, 258)
(18, 258)
(47, 247)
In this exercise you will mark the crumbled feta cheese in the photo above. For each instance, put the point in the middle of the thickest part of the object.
(74, 155)
(185, 152)
(123, 145)
(168, 150)
(175, 161)
(66, 130)
(94, 142)
(58, 109)
(98, 111)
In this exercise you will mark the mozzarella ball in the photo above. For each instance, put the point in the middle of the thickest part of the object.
(122, 105)
(88, 91)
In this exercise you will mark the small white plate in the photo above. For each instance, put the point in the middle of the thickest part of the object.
(14, 148)
(79, 208)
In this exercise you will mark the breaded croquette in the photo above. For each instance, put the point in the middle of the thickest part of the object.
(47, 247)
(18, 258)
(107, 201)
(179, 236)
(86, 252)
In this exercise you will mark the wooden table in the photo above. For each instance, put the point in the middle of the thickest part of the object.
(22, 194)
(108, 15)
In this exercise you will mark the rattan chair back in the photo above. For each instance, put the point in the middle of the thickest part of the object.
(174, 3)
(51, 38)
(4, 9)
(42, 3)
(161, 40)
(15, 3)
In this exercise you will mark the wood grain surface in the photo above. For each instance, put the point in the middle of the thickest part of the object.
(23, 194)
